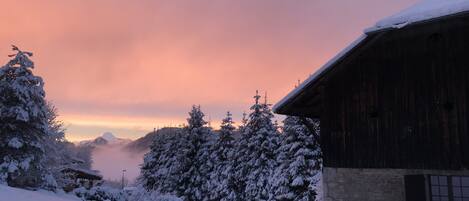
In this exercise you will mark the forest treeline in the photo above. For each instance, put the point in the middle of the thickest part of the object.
(264, 161)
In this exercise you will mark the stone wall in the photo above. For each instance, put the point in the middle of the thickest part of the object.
(346, 184)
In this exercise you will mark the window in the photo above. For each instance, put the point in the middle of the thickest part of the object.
(460, 187)
(439, 188)
(449, 188)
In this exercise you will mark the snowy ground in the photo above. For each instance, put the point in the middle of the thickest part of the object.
(15, 194)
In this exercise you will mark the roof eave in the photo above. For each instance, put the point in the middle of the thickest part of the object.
(278, 108)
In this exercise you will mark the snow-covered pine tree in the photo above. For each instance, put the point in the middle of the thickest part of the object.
(195, 169)
(299, 159)
(269, 115)
(57, 150)
(82, 153)
(60, 153)
(244, 122)
(23, 125)
(162, 168)
(221, 159)
(177, 164)
(255, 155)
(56, 127)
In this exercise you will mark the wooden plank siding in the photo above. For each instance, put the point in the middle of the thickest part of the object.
(402, 102)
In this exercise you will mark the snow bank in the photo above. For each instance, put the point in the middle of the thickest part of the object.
(141, 195)
(8, 194)
(421, 11)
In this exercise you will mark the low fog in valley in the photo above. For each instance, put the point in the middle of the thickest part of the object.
(112, 159)
(111, 155)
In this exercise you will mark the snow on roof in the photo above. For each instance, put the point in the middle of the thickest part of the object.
(421, 11)
(87, 173)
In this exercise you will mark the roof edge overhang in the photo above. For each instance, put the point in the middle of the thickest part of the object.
(279, 108)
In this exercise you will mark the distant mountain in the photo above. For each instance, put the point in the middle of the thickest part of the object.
(143, 144)
(109, 137)
(106, 139)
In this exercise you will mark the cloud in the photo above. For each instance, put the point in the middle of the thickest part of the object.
(154, 58)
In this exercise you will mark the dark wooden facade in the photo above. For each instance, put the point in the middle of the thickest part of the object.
(400, 99)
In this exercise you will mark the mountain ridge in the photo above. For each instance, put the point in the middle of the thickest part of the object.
(107, 138)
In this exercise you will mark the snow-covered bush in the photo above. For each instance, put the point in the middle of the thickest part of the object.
(142, 195)
(100, 193)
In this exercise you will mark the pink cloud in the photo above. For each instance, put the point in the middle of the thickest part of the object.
(105, 57)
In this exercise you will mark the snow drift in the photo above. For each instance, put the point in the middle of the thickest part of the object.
(15, 194)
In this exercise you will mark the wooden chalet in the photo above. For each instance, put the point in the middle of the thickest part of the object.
(394, 109)
(80, 178)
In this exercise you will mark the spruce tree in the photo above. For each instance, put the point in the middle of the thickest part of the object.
(299, 159)
(221, 159)
(244, 122)
(195, 170)
(268, 116)
(161, 169)
(177, 164)
(255, 155)
(58, 151)
(23, 125)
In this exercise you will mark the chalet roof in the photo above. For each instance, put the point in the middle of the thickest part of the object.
(82, 173)
(421, 12)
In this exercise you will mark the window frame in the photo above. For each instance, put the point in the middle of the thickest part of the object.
(450, 185)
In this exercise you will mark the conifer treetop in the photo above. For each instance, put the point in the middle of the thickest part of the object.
(227, 122)
(196, 118)
(21, 58)
(256, 107)
(257, 97)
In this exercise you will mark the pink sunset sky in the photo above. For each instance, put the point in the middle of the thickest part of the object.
(130, 66)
